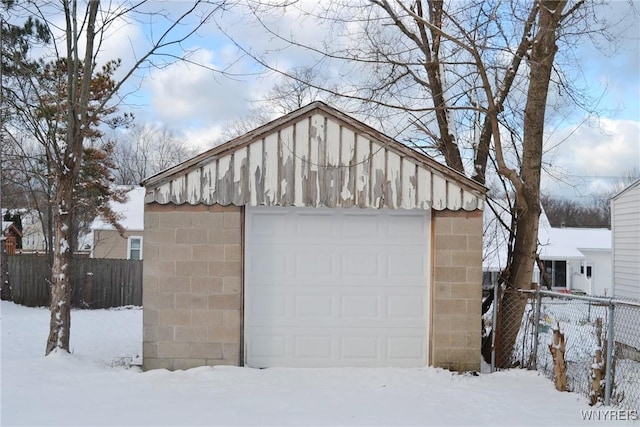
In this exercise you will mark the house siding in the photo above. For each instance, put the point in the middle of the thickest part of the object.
(192, 293)
(625, 223)
(457, 290)
(109, 243)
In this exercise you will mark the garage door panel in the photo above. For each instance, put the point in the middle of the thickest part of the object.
(314, 347)
(268, 346)
(359, 347)
(335, 306)
(411, 226)
(349, 288)
(405, 307)
(349, 347)
(318, 263)
(360, 307)
(409, 263)
(405, 348)
(273, 266)
(265, 224)
(318, 306)
(360, 225)
(266, 305)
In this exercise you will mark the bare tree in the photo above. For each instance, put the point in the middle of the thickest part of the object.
(471, 79)
(295, 89)
(146, 149)
(77, 45)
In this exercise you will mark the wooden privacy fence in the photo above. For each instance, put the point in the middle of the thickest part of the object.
(97, 282)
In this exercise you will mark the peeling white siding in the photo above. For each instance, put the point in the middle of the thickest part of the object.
(317, 161)
(194, 186)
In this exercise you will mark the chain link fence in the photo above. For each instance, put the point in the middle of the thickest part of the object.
(602, 341)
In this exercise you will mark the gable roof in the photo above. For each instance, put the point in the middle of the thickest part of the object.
(315, 156)
(10, 227)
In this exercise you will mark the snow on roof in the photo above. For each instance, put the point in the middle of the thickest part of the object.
(583, 238)
(555, 243)
(6, 224)
(132, 212)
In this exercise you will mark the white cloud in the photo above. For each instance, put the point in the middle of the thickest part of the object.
(202, 139)
(592, 158)
(187, 95)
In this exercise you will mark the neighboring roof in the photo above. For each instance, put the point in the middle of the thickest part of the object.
(554, 243)
(132, 212)
(315, 156)
(634, 184)
(10, 226)
(572, 243)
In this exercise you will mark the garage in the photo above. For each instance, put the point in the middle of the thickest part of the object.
(312, 241)
(328, 288)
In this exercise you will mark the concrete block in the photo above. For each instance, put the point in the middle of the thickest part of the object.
(208, 252)
(159, 363)
(451, 274)
(192, 268)
(224, 335)
(225, 302)
(174, 317)
(232, 285)
(191, 236)
(207, 285)
(150, 349)
(191, 334)
(207, 318)
(232, 253)
(149, 317)
(206, 351)
(174, 284)
(173, 350)
(191, 301)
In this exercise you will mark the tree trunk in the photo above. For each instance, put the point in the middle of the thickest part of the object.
(557, 349)
(5, 282)
(61, 291)
(519, 273)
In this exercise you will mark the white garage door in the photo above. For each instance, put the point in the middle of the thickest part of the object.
(336, 287)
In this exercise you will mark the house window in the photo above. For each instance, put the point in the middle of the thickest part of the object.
(556, 272)
(589, 271)
(134, 250)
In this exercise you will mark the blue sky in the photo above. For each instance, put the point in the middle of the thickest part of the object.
(196, 102)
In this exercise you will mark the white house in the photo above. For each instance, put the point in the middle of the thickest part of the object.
(575, 259)
(625, 230)
(578, 259)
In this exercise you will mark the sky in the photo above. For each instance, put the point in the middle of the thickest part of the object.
(95, 385)
(587, 152)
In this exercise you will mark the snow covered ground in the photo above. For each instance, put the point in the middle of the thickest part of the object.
(92, 386)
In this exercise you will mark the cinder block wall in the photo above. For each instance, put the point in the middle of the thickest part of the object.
(192, 296)
(457, 290)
